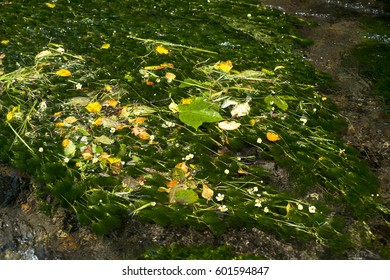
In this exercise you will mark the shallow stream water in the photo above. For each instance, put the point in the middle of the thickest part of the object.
(27, 234)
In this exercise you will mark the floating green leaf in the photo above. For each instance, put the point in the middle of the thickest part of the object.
(186, 196)
(198, 112)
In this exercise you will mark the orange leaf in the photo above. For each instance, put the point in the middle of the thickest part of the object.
(149, 83)
(111, 103)
(273, 137)
(172, 183)
(144, 135)
(63, 73)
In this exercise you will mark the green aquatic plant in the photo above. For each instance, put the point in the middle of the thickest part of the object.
(187, 133)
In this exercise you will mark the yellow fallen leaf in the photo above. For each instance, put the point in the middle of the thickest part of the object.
(70, 120)
(161, 49)
(224, 66)
(113, 160)
(159, 67)
(4, 42)
(144, 135)
(140, 132)
(63, 73)
(65, 142)
(183, 166)
(273, 137)
(207, 192)
(138, 120)
(98, 121)
(170, 76)
(105, 46)
(50, 5)
(111, 103)
(186, 101)
(94, 107)
(10, 114)
(59, 124)
(252, 122)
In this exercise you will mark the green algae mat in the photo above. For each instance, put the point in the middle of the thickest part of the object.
(178, 113)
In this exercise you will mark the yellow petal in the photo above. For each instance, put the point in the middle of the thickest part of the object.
(94, 107)
(162, 50)
(4, 42)
(224, 66)
(105, 46)
(273, 137)
(63, 73)
(51, 5)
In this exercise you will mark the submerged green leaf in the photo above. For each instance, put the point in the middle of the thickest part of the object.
(279, 102)
(186, 196)
(198, 112)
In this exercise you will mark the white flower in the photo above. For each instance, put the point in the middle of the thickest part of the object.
(253, 190)
(95, 160)
(266, 210)
(189, 156)
(42, 106)
(259, 140)
(223, 208)
(66, 160)
(220, 197)
(312, 209)
(112, 129)
(303, 119)
(84, 139)
(168, 124)
(226, 171)
(40, 150)
(79, 86)
(300, 206)
(258, 202)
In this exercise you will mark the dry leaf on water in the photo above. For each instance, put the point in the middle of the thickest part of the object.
(273, 137)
